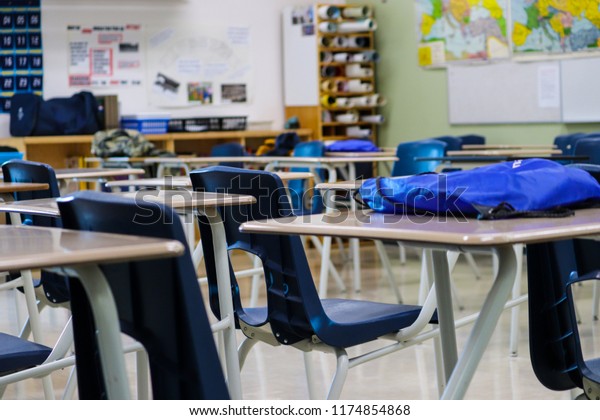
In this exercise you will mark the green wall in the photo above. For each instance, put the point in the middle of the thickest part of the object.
(417, 104)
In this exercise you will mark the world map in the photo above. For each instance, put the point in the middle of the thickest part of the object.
(555, 26)
(450, 30)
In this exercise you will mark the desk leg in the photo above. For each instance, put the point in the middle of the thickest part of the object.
(108, 331)
(485, 324)
(443, 292)
(226, 304)
(354, 243)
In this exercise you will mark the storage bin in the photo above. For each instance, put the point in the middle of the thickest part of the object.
(146, 123)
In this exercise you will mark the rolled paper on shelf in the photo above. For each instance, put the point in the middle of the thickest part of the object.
(365, 25)
(330, 71)
(376, 100)
(356, 70)
(341, 57)
(326, 57)
(325, 41)
(342, 102)
(364, 57)
(342, 86)
(328, 101)
(357, 12)
(358, 101)
(329, 86)
(328, 12)
(339, 42)
(328, 27)
(325, 116)
(349, 117)
(375, 119)
(358, 86)
(359, 42)
(356, 131)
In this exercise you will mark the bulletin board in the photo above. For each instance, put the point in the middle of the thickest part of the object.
(200, 65)
(21, 61)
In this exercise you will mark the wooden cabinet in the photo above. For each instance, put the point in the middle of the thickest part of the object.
(345, 103)
(69, 151)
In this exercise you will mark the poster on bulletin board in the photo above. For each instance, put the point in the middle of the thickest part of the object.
(105, 56)
(198, 65)
(21, 62)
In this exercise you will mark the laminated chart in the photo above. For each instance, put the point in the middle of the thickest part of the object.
(198, 65)
(105, 55)
(458, 30)
(555, 26)
(21, 61)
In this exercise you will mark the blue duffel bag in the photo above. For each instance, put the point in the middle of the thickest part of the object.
(521, 188)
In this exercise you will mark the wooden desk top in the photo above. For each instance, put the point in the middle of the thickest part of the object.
(383, 153)
(10, 187)
(79, 173)
(340, 185)
(179, 200)
(507, 146)
(506, 152)
(185, 182)
(428, 230)
(29, 247)
(270, 159)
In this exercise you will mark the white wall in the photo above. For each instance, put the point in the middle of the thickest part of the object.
(262, 16)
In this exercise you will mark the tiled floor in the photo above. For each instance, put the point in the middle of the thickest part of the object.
(278, 372)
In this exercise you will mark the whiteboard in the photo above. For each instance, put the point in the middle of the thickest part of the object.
(581, 90)
(506, 92)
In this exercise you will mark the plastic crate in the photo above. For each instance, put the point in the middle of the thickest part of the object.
(200, 124)
(146, 125)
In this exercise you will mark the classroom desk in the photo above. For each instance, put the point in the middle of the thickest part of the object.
(79, 254)
(515, 153)
(470, 162)
(441, 235)
(186, 202)
(185, 182)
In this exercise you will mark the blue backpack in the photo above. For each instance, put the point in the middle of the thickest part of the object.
(522, 188)
(353, 146)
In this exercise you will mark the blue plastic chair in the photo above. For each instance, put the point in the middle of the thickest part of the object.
(295, 315)
(55, 285)
(297, 188)
(452, 143)
(6, 156)
(555, 346)
(472, 139)
(159, 303)
(229, 149)
(17, 354)
(589, 146)
(407, 152)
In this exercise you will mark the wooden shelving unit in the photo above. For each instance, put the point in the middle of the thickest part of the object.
(343, 95)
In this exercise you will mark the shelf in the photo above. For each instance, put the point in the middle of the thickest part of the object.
(335, 63)
(348, 94)
(343, 124)
(345, 49)
(325, 138)
(344, 79)
(353, 108)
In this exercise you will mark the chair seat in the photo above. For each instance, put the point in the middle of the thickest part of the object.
(592, 370)
(358, 321)
(254, 316)
(18, 354)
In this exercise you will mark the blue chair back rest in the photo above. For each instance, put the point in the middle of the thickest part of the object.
(564, 142)
(229, 149)
(553, 345)
(6, 156)
(472, 139)
(159, 302)
(297, 188)
(452, 143)
(589, 146)
(407, 152)
(27, 171)
(292, 298)
(56, 286)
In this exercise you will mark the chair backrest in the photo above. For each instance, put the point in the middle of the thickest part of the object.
(292, 298)
(452, 143)
(297, 188)
(407, 152)
(564, 142)
(472, 139)
(589, 146)
(159, 302)
(553, 345)
(229, 149)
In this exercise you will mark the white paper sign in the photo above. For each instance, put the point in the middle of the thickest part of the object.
(549, 86)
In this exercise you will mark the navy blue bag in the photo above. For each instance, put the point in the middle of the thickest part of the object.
(353, 146)
(522, 188)
(31, 115)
